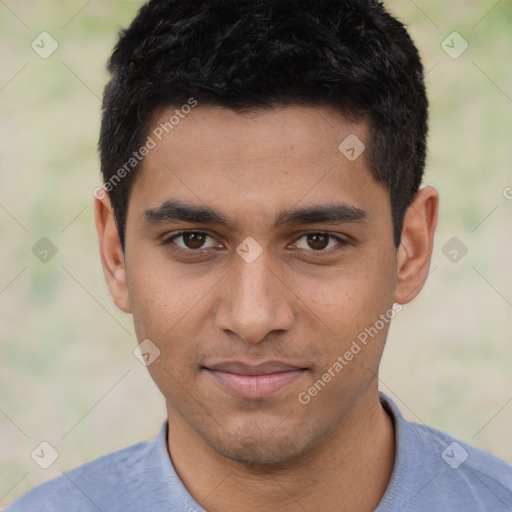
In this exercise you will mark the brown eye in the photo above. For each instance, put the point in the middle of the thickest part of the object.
(194, 240)
(317, 241)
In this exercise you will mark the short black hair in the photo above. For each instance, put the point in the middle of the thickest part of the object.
(258, 54)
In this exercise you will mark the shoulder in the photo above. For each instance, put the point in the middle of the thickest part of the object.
(91, 486)
(464, 466)
(436, 472)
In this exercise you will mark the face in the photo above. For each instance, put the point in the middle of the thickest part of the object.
(256, 254)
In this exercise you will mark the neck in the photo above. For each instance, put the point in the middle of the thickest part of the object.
(349, 470)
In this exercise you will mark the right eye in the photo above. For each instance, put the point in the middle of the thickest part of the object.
(191, 240)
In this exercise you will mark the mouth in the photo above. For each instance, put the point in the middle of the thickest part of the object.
(254, 382)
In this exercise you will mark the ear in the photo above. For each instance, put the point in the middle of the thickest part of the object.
(111, 252)
(415, 251)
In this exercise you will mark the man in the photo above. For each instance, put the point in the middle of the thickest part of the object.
(263, 221)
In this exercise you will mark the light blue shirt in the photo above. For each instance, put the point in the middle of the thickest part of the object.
(433, 473)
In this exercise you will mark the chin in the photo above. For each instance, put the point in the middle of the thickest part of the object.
(270, 447)
(257, 452)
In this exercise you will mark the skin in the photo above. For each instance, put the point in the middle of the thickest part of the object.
(298, 303)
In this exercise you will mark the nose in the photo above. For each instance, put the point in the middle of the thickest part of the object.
(254, 302)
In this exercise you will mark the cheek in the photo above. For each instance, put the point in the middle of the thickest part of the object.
(353, 299)
(166, 311)
(164, 303)
(355, 308)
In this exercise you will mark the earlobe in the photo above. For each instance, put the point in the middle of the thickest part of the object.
(415, 251)
(111, 252)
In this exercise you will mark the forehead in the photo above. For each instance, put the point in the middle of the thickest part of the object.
(304, 131)
(260, 161)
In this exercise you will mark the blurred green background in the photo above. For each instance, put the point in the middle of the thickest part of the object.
(68, 374)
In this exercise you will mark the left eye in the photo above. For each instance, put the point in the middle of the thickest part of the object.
(193, 240)
(318, 241)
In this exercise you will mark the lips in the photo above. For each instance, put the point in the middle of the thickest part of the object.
(254, 382)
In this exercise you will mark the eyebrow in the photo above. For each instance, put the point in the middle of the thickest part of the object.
(177, 211)
(330, 213)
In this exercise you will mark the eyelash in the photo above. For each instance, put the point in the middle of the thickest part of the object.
(170, 240)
